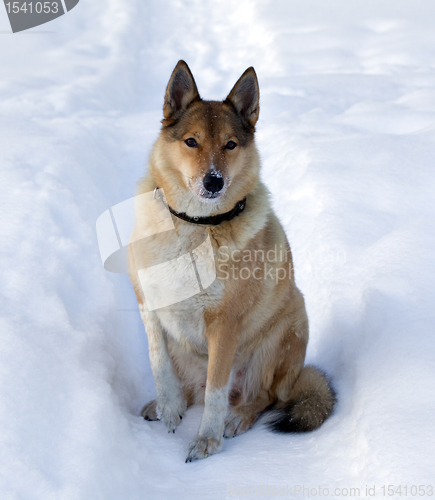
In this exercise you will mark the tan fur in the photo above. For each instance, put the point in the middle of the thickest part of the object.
(242, 337)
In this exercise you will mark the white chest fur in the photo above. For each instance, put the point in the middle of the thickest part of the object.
(183, 320)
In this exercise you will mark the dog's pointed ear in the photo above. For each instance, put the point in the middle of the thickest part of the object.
(180, 92)
(245, 97)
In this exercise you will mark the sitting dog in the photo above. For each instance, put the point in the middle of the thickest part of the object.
(236, 345)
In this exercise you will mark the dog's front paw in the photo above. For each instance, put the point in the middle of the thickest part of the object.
(202, 447)
(171, 412)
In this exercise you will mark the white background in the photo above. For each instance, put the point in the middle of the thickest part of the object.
(347, 140)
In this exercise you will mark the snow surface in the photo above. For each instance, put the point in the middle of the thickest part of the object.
(347, 139)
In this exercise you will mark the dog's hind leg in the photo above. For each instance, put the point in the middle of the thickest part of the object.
(149, 411)
(241, 417)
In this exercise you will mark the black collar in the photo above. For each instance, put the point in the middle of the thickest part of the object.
(213, 220)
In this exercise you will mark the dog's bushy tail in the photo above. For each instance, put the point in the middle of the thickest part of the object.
(311, 402)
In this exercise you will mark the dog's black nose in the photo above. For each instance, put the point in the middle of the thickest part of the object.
(213, 182)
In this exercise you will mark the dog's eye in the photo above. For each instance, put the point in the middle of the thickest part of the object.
(230, 145)
(191, 142)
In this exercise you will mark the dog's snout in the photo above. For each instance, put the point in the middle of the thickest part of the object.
(213, 182)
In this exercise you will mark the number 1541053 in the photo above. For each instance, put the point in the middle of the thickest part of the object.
(32, 8)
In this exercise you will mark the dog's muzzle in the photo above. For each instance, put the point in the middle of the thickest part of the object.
(213, 183)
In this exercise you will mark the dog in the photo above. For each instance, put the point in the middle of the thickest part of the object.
(237, 345)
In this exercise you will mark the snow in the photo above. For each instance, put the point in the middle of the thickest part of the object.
(346, 136)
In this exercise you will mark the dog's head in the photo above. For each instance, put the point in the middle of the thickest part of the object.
(206, 154)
